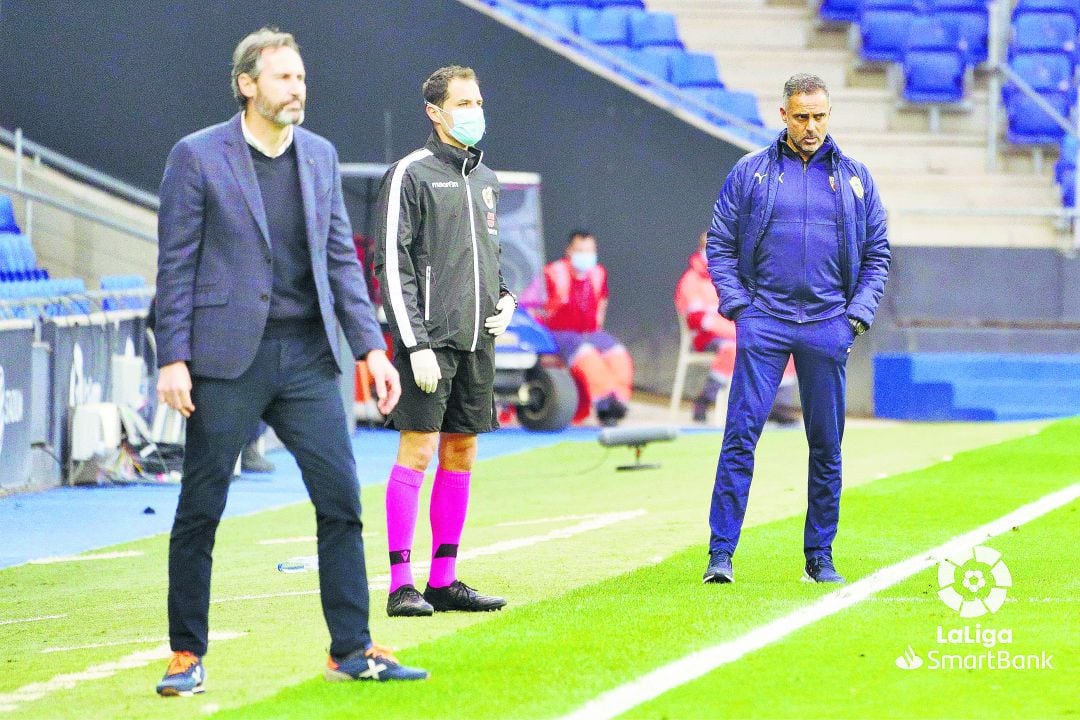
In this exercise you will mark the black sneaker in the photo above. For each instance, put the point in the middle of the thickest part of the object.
(459, 596)
(375, 664)
(407, 601)
(819, 569)
(700, 412)
(252, 461)
(719, 570)
(609, 411)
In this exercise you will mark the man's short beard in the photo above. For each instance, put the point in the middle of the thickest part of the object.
(280, 117)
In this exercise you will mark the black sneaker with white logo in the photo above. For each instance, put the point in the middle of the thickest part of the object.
(719, 570)
(407, 601)
(459, 596)
(820, 569)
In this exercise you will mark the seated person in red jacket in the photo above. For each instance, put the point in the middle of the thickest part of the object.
(697, 303)
(577, 300)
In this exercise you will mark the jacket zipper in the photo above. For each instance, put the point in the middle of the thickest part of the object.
(427, 293)
(475, 259)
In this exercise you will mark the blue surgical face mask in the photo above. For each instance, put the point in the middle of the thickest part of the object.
(583, 261)
(469, 124)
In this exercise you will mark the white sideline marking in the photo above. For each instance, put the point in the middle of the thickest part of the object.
(264, 596)
(114, 643)
(545, 521)
(288, 540)
(9, 702)
(382, 582)
(619, 700)
(80, 558)
(18, 621)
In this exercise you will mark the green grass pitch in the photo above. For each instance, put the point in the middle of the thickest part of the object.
(604, 586)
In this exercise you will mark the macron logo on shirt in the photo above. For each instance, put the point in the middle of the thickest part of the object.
(449, 184)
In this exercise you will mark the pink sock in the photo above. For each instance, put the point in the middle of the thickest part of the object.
(402, 498)
(449, 503)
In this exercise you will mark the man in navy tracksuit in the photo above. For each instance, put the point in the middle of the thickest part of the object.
(799, 254)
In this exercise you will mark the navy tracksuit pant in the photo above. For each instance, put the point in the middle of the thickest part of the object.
(292, 384)
(763, 345)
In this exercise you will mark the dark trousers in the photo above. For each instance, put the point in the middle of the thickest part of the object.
(292, 384)
(763, 345)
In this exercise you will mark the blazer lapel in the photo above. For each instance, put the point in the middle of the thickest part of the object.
(239, 158)
(305, 164)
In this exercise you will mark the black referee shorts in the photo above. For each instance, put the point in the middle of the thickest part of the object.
(463, 401)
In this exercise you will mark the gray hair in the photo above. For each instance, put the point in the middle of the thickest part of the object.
(804, 84)
(247, 58)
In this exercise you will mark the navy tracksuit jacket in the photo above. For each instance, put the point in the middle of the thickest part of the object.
(795, 249)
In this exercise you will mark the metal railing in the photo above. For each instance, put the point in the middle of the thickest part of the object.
(1000, 75)
(41, 155)
(80, 171)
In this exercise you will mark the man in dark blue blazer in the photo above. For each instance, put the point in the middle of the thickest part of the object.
(256, 268)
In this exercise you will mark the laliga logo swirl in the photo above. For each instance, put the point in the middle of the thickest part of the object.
(975, 583)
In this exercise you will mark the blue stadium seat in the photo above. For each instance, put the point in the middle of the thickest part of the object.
(653, 63)
(1044, 72)
(607, 27)
(694, 69)
(883, 27)
(840, 10)
(636, 4)
(734, 102)
(934, 63)
(938, 6)
(564, 17)
(1042, 6)
(7, 216)
(1044, 32)
(972, 25)
(654, 29)
(1029, 125)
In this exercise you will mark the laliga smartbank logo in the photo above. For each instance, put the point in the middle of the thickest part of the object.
(974, 584)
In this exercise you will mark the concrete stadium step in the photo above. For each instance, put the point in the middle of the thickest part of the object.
(766, 70)
(992, 339)
(741, 26)
(922, 152)
(971, 191)
(907, 227)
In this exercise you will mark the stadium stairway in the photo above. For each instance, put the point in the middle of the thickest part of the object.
(922, 176)
(976, 386)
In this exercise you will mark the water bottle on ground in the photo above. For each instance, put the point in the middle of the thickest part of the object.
(305, 563)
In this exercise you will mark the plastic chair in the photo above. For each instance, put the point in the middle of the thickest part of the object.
(693, 69)
(733, 102)
(7, 216)
(1029, 125)
(653, 29)
(934, 63)
(840, 10)
(884, 27)
(648, 62)
(1044, 32)
(689, 356)
(972, 26)
(607, 27)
